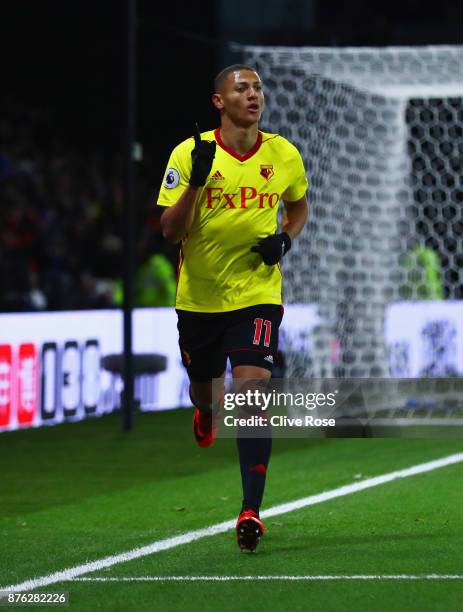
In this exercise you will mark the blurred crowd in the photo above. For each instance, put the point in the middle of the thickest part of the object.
(61, 222)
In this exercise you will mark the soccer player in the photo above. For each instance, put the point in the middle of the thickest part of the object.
(222, 190)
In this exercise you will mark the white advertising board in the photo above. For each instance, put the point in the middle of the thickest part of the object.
(50, 363)
(425, 339)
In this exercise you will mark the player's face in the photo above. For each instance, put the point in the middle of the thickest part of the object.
(241, 97)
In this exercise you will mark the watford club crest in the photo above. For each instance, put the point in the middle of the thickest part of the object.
(266, 170)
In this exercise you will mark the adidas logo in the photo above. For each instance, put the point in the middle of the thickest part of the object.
(217, 176)
(269, 358)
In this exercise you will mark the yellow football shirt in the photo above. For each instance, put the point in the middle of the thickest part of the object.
(237, 207)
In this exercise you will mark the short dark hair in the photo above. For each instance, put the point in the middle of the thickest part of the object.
(220, 78)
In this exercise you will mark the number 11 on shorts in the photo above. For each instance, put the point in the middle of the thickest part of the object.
(258, 331)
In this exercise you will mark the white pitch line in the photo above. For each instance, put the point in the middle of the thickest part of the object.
(253, 578)
(73, 572)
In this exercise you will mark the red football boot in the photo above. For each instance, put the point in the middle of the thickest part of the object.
(249, 530)
(206, 424)
(205, 427)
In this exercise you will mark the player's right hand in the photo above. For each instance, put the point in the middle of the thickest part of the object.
(202, 157)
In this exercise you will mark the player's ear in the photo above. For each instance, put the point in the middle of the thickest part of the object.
(217, 101)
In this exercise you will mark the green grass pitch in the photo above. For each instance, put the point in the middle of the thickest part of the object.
(79, 492)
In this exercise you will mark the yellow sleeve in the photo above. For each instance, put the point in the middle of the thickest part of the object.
(177, 174)
(298, 179)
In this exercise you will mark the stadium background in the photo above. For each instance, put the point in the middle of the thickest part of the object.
(61, 249)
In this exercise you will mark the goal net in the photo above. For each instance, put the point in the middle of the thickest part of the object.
(381, 133)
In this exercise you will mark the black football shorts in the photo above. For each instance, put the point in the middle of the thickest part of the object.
(248, 336)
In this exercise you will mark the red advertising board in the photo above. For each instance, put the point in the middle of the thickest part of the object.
(6, 385)
(27, 384)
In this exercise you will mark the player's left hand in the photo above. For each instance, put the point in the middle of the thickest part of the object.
(273, 248)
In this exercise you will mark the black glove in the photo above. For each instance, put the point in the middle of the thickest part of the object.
(202, 157)
(273, 248)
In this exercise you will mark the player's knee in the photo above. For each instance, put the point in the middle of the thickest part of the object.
(254, 391)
